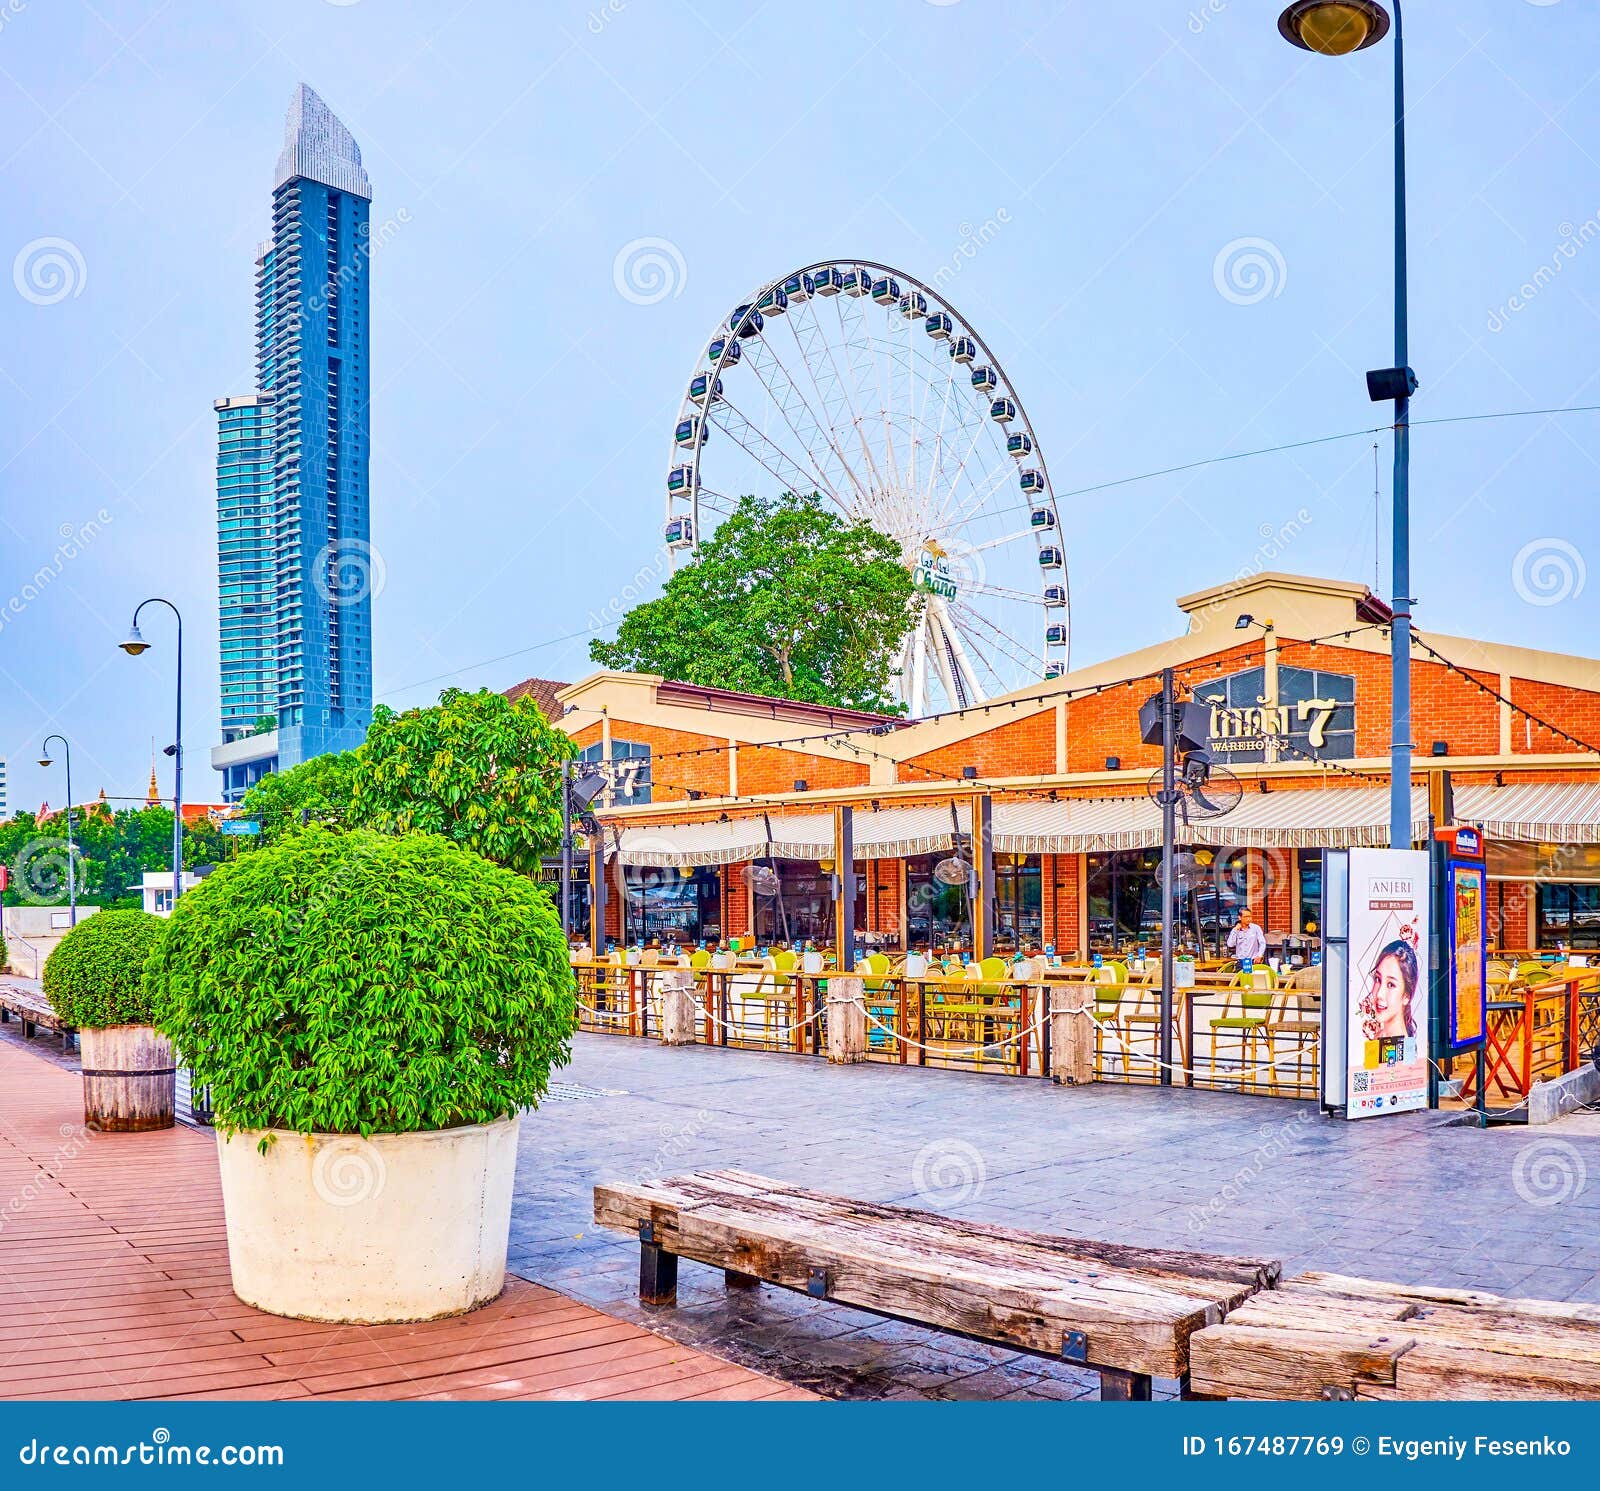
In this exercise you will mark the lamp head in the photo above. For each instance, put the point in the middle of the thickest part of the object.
(1244, 622)
(133, 644)
(1335, 28)
(46, 761)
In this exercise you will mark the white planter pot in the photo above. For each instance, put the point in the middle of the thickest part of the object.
(395, 1227)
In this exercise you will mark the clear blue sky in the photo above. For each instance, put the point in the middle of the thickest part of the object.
(523, 407)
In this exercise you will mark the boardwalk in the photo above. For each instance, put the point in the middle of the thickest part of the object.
(114, 1284)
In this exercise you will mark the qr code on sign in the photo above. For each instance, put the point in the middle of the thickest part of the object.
(1358, 1082)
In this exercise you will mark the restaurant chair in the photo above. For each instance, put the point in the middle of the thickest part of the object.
(1246, 1010)
(1296, 1017)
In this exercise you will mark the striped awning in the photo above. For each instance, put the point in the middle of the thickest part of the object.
(894, 833)
(1331, 818)
(795, 836)
(1534, 812)
(1327, 818)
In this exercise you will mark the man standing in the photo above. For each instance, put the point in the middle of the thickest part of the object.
(1247, 942)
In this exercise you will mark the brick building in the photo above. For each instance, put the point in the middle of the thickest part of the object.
(1293, 675)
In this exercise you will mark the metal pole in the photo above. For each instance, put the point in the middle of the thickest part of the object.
(72, 876)
(566, 850)
(1401, 599)
(1169, 825)
(177, 777)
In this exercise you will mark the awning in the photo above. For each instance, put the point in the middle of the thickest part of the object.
(796, 836)
(890, 833)
(1085, 825)
(1331, 818)
(894, 833)
(1534, 812)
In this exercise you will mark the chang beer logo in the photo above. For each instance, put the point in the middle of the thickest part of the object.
(932, 571)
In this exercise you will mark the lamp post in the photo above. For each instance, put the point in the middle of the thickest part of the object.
(134, 644)
(72, 875)
(1336, 28)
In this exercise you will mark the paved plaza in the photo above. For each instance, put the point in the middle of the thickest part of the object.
(1417, 1198)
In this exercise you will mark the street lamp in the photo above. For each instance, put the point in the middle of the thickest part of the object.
(72, 876)
(1336, 28)
(133, 645)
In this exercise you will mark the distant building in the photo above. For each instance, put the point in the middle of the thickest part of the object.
(295, 567)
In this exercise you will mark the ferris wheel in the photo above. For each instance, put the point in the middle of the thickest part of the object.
(860, 383)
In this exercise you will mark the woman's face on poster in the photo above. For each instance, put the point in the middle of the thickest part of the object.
(1389, 994)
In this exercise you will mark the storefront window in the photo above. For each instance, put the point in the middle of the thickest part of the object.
(1123, 892)
(937, 915)
(803, 911)
(665, 906)
(1569, 915)
(1018, 905)
(1310, 892)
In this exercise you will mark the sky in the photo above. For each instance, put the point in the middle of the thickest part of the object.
(1173, 228)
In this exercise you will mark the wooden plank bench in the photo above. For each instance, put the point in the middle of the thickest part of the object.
(1126, 1312)
(35, 1012)
(1322, 1335)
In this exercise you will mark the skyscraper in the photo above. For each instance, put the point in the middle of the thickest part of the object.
(294, 552)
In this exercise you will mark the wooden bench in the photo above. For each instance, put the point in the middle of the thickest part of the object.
(1322, 1335)
(1128, 1313)
(35, 1012)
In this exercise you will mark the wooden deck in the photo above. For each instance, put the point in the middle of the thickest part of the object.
(114, 1284)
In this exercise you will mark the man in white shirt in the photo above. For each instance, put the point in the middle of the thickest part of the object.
(1247, 940)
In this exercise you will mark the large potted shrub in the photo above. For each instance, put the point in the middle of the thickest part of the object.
(372, 1013)
(94, 982)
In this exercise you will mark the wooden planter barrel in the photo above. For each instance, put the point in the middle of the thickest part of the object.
(130, 1079)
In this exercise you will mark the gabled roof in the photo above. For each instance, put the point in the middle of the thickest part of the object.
(546, 694)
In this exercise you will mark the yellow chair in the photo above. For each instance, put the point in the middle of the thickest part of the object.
(1245, 1013)
(1296, 1016)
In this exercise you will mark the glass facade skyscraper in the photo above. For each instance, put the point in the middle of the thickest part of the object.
(295, 560)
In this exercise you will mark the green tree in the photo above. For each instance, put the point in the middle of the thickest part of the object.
(320, 788)
(787, 599)
(476, 768)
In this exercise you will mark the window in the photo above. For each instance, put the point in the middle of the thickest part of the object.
(1568, 914)
(937, 915)
(1018, 903)
(667, 905)
(1310, 892)
(630, 783)
(1123, 894)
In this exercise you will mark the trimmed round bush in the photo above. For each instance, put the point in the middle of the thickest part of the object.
(94, 977)
(358, 983)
